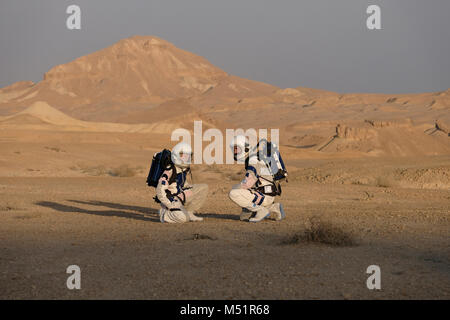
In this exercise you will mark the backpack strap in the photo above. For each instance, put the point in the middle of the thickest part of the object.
(172, 179)
(249, 167)
(173, 176)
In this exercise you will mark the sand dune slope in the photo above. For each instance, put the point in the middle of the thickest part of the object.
(41, 116)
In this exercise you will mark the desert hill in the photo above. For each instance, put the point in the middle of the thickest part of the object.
(134, 72)
(125, 81)
(146, 84)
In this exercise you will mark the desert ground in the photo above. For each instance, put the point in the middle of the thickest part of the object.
(369, 184)
(102, 218)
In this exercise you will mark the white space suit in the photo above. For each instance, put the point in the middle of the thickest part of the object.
(179, 200)
(253, 193)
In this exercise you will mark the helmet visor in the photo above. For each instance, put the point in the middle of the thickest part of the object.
(237, 150)
(185, 157)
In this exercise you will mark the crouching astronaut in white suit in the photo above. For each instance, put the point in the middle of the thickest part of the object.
(253, 193)
(179, 200)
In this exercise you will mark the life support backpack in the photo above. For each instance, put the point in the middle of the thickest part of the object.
(161, 161)
(268, 153)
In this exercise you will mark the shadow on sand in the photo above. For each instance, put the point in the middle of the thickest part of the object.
(137, 213)
(122, 210)
(219, 216)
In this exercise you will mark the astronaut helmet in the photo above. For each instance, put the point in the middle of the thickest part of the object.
(240, 147)
(182, 155)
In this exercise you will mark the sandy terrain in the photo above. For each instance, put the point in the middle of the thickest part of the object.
(64, 208)
(372, 170)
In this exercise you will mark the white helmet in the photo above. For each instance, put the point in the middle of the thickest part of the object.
(240, 147)
(182, 155)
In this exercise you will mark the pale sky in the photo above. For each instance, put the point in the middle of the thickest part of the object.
(289, 43)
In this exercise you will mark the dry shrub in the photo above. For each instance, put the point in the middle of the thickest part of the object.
(99, 170)
(385, 182)
(56, 149)
(6, 208)
(122, 171)
(323, 232)
(198, 236)
(213, 168)
(236, 175)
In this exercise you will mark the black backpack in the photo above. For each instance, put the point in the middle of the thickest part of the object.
(161, 161)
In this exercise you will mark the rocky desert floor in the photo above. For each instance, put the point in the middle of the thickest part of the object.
(86, 203)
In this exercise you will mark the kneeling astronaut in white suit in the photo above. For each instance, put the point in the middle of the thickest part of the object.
(255, 194)
(179, 200)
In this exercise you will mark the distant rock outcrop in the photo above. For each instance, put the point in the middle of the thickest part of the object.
(389, 123)
(354, 133)
(442, 126)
